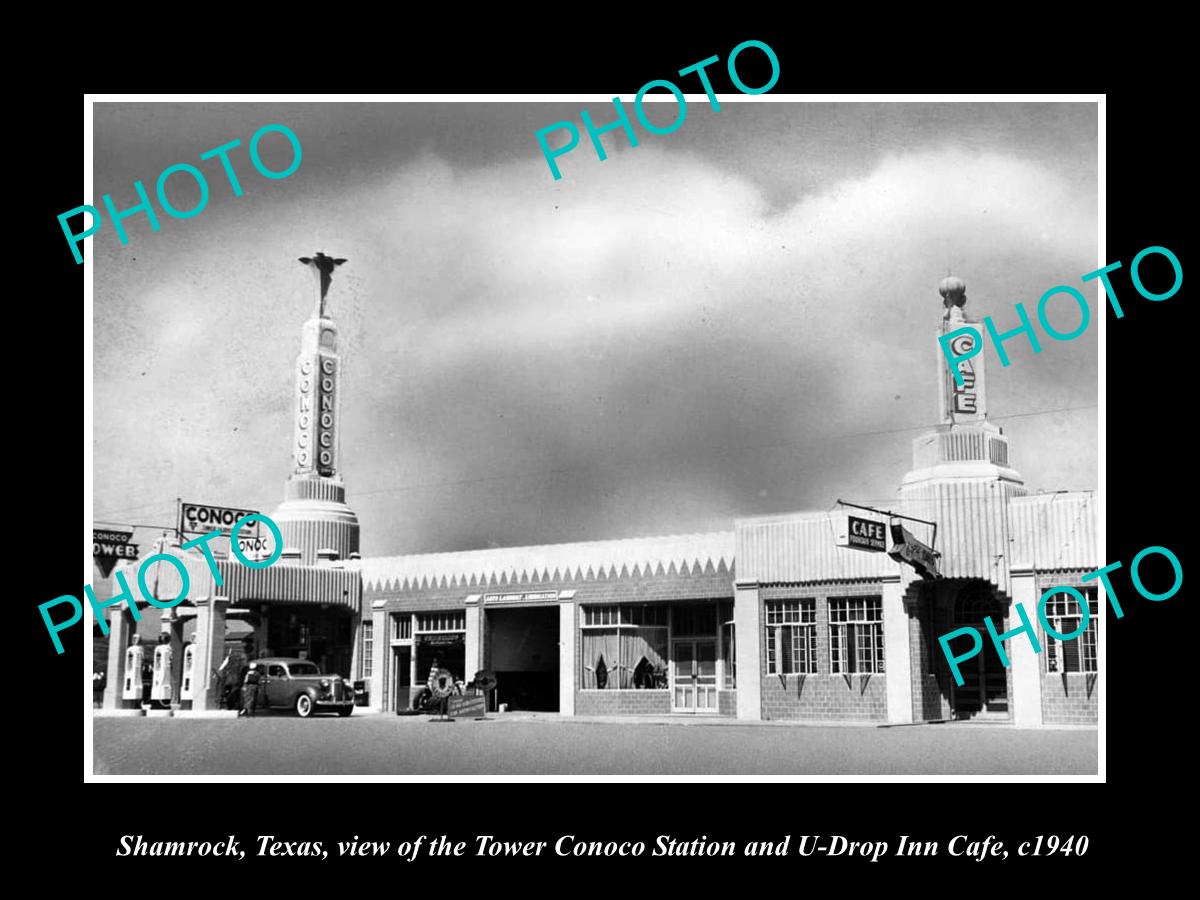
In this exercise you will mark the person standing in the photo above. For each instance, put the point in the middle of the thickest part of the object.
(250, 690)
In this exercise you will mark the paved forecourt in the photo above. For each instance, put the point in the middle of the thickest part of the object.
(392, 745)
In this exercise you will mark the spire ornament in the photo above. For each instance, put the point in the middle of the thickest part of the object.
(322, 267)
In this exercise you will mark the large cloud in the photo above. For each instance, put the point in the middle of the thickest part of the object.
(649, 343)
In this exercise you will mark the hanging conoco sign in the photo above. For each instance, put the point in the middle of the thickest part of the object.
(110, 546)
(199, 518)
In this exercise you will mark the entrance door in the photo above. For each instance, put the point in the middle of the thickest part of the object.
(984, 691)
(401, 661)
(694, 676)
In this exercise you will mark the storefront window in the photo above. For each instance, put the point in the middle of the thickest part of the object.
(1063, 614)
(729, 655)
(442, 621)
(856, 635)
(624, 648)
(698, 619)
(401, 626)
(368, 648)
(791, 637)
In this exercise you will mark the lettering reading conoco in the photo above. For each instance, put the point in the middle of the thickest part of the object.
(315, 436)
(325, 439)
(199, 518)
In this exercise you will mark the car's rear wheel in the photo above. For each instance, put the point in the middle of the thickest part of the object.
(346, 711)
(304, 706)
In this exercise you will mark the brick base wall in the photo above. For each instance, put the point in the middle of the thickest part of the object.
(821, 696)
(727, 703)
(1069, 703)
(622, 703)
(825, 697)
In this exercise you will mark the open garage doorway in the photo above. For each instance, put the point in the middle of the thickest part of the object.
(522, 649)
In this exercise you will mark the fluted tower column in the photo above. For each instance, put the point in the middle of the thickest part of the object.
(961, 477)
(314, 515)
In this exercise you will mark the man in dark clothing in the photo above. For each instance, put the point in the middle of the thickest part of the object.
(250, 690)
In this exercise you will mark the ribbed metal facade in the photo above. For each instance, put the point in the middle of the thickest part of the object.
(800, 548)
(291, 584)
(973, 527)
(163, 578)
(276, 583)
(961, 444)
(1055, 531)
(314, 516)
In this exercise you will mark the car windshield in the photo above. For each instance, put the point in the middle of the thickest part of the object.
(304, 668)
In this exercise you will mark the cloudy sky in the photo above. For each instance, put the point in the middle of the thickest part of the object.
(734, 319)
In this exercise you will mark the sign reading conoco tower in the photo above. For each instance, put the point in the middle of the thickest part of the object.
(314, 516)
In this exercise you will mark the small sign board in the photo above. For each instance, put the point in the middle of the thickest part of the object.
(254, 546)
(442, 639)
(862, 533)
(110, 546)
(467, 705)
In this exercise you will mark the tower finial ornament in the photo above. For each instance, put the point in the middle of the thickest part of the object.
(322, 268)
(954, 297)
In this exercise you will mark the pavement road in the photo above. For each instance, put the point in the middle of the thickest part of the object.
(391, 745)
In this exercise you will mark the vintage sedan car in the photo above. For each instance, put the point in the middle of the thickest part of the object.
(298, 684)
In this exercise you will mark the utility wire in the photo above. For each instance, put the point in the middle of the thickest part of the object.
(657, 458)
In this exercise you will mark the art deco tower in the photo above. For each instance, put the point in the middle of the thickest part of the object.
(314, 516)
(961, 476)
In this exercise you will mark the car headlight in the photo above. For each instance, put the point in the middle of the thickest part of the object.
(324, 682)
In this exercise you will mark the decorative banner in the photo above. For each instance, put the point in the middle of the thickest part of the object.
(199, 518)
(110, 546)
(907, 549)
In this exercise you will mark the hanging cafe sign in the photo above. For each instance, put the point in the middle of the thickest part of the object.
(870, 533)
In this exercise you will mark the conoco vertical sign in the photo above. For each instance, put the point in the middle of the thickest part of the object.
(316, 432)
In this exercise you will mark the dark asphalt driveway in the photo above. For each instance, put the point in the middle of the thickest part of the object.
(391, 745)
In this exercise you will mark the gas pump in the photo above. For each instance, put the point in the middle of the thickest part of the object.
(133, 687)
(160, 685)
(189, 666)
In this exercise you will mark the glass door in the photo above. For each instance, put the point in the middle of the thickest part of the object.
(694, 675)
(683, 695)
(706, 676)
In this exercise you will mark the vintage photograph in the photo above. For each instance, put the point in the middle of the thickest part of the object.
(657, 468)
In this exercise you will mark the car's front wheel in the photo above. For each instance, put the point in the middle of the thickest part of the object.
(345, 711)
(304, 706)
